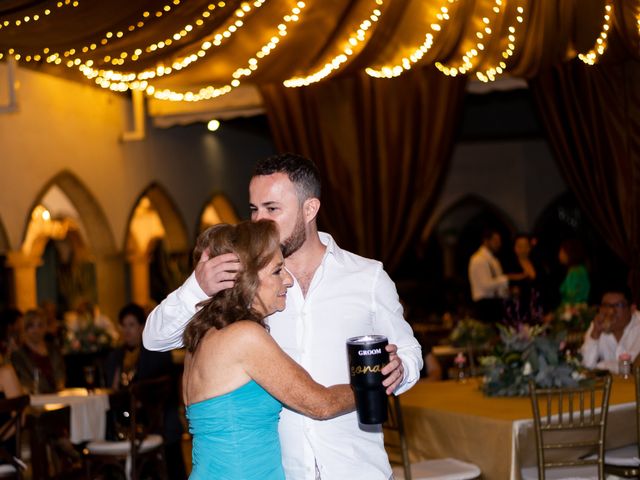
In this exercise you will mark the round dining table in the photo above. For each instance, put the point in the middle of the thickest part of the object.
(88, 411)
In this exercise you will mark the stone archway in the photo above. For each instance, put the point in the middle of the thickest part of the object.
(217, 210)
(96, 232)
(459, 229)
(154, 223)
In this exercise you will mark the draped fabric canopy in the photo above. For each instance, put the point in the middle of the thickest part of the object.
(192, 49)
(198, 56)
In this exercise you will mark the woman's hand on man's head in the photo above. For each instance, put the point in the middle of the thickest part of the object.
(215, 274)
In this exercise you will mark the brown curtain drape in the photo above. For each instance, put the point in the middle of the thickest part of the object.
(383, 147)
(592, 119)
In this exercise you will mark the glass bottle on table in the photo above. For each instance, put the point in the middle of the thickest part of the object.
(36, 381)
(624, 365)
(461, 362)
(90, 377)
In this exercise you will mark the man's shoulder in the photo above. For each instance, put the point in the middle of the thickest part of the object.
(479, 255)
(349, 260)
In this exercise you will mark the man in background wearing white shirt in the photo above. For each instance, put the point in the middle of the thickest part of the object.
(336, 295)
(489, 285)
(615, 330)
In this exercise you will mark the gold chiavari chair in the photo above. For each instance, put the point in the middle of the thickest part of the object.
(569, 423)
(395, 443)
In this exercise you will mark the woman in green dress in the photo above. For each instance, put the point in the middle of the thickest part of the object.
(575, 286)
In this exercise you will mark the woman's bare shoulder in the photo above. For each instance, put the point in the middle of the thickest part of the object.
(240, 332)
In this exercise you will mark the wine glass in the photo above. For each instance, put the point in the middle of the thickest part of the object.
(89, 377)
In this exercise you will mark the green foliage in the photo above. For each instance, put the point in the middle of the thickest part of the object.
(471, 333)
(526, 352)
(573, 317)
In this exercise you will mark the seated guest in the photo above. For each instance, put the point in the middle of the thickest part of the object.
(10, 328)
(615, 330)
(9, 388)
(38, 363)
(131, 363)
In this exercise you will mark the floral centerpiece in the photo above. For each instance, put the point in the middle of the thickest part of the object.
(573, 317)
(529, 352)
(472, 335)
(83, 335)
(530, 348)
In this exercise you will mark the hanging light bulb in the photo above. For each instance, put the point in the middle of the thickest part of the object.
(213, 125)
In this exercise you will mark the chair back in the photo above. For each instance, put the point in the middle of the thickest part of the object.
(52, 454)
(395, 442)
(571, 419)
(138, 411)
(13, 409)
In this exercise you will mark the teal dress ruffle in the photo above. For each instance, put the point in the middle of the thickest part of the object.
(235, 436)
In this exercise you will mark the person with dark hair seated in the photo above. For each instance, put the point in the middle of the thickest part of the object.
(614, 331)
(131, 363)
(38, 363)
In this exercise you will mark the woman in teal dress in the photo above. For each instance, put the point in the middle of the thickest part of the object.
(576, 286)
(236, 377)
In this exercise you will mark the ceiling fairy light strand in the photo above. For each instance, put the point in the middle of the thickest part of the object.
(202, 18)
(353, 41)
(57, 58)
(490, 74)
(34, 17)
(591, 57)
(482, 36)
(391, 71)
(240, 73)
(104, 78)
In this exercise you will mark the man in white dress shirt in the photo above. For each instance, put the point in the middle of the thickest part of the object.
(489, 285)
(336, 295)
(615, 330)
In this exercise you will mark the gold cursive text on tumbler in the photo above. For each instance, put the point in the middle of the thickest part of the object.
(363, 370)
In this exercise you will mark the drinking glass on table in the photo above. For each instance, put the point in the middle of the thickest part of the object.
(36, 381)
(90, 377)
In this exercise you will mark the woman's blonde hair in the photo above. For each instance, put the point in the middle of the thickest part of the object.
(255, 244)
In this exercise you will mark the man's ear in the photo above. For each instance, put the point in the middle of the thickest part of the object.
(310, 209)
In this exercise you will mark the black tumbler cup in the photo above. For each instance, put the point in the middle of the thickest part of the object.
(367, 357)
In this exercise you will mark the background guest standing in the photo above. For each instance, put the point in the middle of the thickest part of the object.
(489, 285)
(576, 286)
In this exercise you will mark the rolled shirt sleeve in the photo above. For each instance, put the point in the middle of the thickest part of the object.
(166, 323)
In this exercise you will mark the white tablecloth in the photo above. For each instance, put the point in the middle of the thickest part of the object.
(88, 419)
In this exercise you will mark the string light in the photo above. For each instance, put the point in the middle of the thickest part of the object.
(490, 74)
(209, 92)
(482, 36)
(591, 57)
(34, 17)
(57, 57)
(350, 44)
(199, 22)
(105, 78)
(406, 63)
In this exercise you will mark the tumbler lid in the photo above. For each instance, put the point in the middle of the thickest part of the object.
(366, 339)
